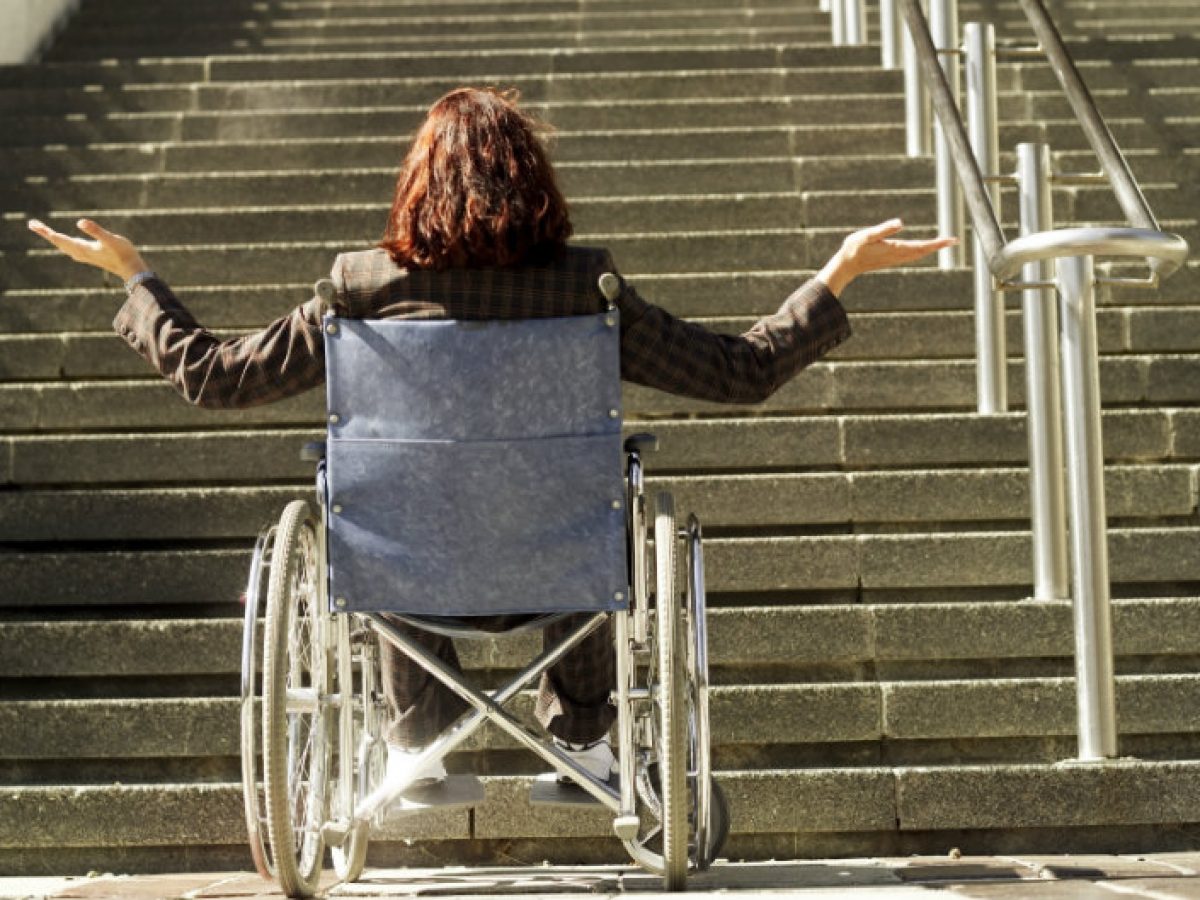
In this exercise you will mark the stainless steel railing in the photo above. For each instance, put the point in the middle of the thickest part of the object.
(1044, 264)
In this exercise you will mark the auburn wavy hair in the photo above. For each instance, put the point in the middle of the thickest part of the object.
(476, 188)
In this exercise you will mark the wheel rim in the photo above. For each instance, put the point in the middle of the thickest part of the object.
(296, 709)
(251, 707)
(307, 671)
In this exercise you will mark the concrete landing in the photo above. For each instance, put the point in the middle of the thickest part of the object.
(1165, 876)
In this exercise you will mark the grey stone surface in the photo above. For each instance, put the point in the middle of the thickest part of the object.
(229, 456)
(1031, 706)
(751, 500)
(156, 647)
(151, 514)
(1027, 628)
(793, 714)
(780, 563)
(722, 153)
(74, 729)
(1185, 428)
(760, 499)
(150, 815)
(117, 578)
(1122, 792)
(790, 635)
(822, 800)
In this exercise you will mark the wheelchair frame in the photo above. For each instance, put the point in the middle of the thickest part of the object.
(313, 755)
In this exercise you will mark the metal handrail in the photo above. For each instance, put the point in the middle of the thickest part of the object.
(1164, 252)
(1168, 251)
(1062, 390)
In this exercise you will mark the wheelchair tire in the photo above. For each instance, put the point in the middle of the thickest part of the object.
(368, 760)
(672, 708)
(251, 708)
(296, 680)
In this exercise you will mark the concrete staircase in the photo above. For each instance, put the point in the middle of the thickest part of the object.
(882, 685)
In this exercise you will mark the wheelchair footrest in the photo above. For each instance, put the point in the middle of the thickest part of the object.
(547, 790)
(452, 791)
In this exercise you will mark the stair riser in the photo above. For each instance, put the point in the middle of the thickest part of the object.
(856, 442)
(844, 387)
(205, 578)
(925, 337)
(931, 498)
(841, 713)
(360, 223)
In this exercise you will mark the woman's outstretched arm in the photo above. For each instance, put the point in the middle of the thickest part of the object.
(285, 358)
(668, 353)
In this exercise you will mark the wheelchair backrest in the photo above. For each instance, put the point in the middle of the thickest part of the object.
(475, 468)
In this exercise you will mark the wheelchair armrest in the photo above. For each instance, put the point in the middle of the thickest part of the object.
(313, 451)
(643, 442)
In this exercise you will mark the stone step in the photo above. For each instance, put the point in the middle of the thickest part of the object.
(355, 223)
(303, 66)
(1127, 380)
(658, 252)
(681, 37)
(843, 166)
(416, 64)
(1122, 110)
(1153, 78)
(560, 31)
(891, 635)
(226, 307)
(791, 714)
(637, 162)
(877, 336)
(534, 88)
(409, 21)
(749, 500)
(744, 565)
(206, 10)
(565, 101)
(210, 10)
(802, 804)
(759, 443)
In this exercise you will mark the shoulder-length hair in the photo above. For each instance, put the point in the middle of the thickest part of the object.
(476, 189)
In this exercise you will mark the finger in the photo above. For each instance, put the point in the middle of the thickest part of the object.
(922, 247)
(73, 247)
(884, 229)
(91, 229)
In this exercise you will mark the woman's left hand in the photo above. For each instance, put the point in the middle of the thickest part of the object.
(107, 251)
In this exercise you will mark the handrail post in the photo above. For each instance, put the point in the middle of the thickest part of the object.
(1094, 682)
(943, 24)
(918, 116)
(891, 35)
(837, 21)
(856, 22)
(991, 358)
(1047, 492)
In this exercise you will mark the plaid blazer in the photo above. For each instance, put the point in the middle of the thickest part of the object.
(657, 349)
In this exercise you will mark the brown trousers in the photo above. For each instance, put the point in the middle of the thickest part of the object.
(573, 701)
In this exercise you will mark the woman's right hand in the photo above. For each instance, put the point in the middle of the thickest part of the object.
(874, 248)
(107, 251)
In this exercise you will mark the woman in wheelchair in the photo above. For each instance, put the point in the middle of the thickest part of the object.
(478, 232)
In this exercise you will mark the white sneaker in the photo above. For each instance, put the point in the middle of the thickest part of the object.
(596, 758)
(400, 768)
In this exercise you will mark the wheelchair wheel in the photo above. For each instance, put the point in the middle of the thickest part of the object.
(251, 708)
(362, 759)
(709, 810)
(296, 681)
(672, 709)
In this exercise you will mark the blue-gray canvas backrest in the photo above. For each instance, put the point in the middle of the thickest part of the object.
(475, 468)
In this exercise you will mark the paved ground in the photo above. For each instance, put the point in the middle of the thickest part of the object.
(1166, 876)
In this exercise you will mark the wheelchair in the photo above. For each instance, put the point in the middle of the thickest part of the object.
(472, 468)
